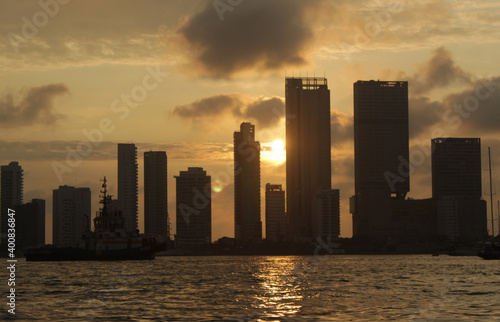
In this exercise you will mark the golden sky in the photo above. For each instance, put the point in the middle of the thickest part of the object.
(181, 76)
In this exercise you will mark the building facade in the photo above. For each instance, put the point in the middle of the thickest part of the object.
(156, 194)
(308, 155)
(247, 219)
(127, 185)
(275, 212)
(30, 225)
(328, 205)
(11, 194)
(381, 154)
(457, 188)
(194, 208)
(71, 215)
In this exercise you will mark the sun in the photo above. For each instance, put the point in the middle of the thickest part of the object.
(275, 152)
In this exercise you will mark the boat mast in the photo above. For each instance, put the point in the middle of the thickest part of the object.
(491, 200)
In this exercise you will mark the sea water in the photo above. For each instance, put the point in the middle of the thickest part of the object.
(259, 288)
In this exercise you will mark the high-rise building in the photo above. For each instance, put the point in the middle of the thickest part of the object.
(381, 153)
(71, 215)
(30, 224)
(308, 155)
(457, 188)
(127, 184)
(275, 212)
(11, 194)
(456, 167)
(194, 207)
(328, 208)
(247, 221)
(156, 194)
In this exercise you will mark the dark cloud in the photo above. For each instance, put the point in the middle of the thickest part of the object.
(210, 106)
(423, 114)
(261, 34)
(36, 106)
(267, 112)
(439, 71)
(475, 109)
(342, 127)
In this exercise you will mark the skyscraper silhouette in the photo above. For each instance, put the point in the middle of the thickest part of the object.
(457, 188)
(127, 184)
(11, 194)
(381, 153)
(308, 156)
(30, 225)
(275, 212)
(70, 215)
(247, 222)
(194, 207)
(156, 194)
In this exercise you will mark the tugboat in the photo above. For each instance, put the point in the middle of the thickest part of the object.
(108, 241)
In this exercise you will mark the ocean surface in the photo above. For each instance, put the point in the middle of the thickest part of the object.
(259, 288)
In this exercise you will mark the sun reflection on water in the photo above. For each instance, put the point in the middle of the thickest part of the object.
(280, 294)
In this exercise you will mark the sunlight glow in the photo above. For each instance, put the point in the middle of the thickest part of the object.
(274, 152)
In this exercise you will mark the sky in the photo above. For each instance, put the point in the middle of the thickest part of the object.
(78, 77)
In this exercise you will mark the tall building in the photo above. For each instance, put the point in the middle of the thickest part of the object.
(328, 208)
(308, 155)
(194, 207)
(127, 184)
(457, 188)
(381, 153)
(11, 194)
(71, 215)
(275, 212)
(30, 224)
(247, 221)
(156, 194)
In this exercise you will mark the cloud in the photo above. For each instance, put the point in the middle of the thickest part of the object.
(472, 112)
(342, 127)
(36, 106)
(439, 71)
(476, 107)
(210, 106)
(107, 150)
(267, 112)
(258, 34)
(88, 33)
(423, 114)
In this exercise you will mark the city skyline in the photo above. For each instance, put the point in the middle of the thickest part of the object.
(60, 90)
